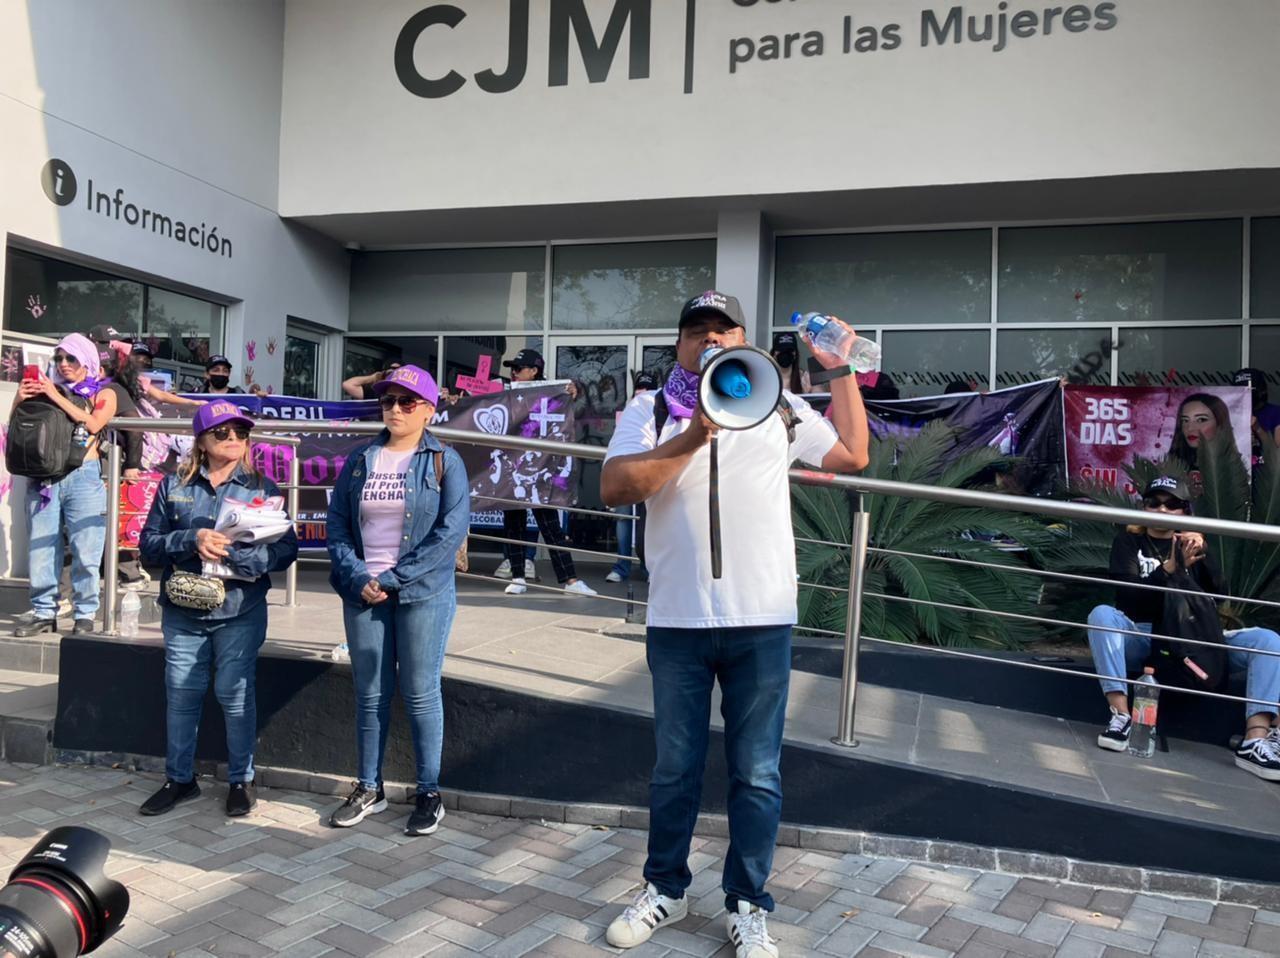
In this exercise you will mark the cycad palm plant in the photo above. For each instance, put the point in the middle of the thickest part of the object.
(910, 539)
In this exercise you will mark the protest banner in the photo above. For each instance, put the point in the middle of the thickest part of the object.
(1023, 421)
(542, 411)
(1106, 427)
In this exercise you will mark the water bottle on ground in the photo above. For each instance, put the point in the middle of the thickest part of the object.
(819, 332)
(1146, 700)
(130, 610)
(341, 653)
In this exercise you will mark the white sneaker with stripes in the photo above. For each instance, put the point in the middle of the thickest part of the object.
(651, 910)
(748, 932)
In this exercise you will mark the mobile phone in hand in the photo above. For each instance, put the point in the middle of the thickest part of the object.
(31, 372)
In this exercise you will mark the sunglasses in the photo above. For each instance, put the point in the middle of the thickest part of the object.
(223, 433)
(404, 402)
(1164, 503)
(65, 358)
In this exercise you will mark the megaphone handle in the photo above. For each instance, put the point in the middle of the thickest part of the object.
(715, 508)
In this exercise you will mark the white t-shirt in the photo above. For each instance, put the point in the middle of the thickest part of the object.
(758, 585)
(382, 510)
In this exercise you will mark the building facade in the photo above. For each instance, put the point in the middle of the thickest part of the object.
(997, 192)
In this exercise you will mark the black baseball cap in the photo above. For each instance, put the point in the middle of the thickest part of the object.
(217, 361)
(1170, 486)
(714, 303)
(526, 358)
(782, 342)
(141, 349)
(646, 381)
(102, 333)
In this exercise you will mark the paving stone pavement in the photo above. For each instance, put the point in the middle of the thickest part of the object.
(281, 882)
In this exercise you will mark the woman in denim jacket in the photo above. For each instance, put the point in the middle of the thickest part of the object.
(179, 535)
(399, 513)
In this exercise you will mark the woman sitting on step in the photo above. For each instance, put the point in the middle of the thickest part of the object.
(1149, 555)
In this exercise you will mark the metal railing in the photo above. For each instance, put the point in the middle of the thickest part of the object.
(859, 546)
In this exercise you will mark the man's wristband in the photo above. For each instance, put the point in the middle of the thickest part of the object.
(829, 374)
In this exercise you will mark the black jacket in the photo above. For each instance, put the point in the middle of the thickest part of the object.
(1137, 557)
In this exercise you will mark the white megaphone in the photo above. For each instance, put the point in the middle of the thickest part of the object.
(740, 386)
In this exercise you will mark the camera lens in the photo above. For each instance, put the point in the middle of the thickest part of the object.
(59, 903)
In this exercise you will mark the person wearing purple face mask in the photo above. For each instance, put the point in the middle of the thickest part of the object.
(75, 505)
(734, 630)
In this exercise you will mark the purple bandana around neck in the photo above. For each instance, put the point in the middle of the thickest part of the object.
(681, 392)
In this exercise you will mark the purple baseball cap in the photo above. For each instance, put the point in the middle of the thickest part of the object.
(215, 414)
(413, 378)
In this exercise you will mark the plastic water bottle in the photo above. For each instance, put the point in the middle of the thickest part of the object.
(1146, 700)
(130, 609)
(341, 653)
(819, 332)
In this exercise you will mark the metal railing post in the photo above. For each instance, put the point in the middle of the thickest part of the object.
(111, 555)
(291, 574)
(853, 629)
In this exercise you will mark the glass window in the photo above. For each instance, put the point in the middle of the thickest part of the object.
(1264, 272)
(628, 285)
(363, 356)
(1028, 355)
(922, 363)
(301, 361)
(180, 328)
(1178, 356)
(459, 289)
(48, 297)
(1130, 272)
(657, 359)
(880, 279)
(1264, 354)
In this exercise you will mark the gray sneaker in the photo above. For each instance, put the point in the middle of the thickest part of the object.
(361, 802)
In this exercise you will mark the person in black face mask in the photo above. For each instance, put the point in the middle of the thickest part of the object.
(217, 376)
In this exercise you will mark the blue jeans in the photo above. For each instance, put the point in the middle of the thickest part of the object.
(78, 503)
(1117, 654)
(389, 640)
(625, 529)
(190, 646)
(753, 666)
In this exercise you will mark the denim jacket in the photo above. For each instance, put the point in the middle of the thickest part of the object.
(179, 511)
(435, 524)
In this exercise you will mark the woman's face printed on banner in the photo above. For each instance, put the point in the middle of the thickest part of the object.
(1197, 423)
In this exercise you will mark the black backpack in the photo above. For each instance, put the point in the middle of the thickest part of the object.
(40, 444)
(1190, 614)
(661, 413)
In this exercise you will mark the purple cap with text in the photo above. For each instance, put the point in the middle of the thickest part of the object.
(413, 378)
(215, 414)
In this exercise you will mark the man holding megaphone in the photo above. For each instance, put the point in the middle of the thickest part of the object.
(722, 593)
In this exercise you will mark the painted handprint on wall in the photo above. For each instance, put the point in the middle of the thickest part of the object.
(271, 346)
(35, 307)
(251, 349)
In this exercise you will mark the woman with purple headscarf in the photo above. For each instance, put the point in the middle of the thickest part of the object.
(75, 504)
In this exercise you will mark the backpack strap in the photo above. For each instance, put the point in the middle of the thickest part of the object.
(661, 413)
(789, 418)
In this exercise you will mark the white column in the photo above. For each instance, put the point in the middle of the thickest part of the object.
(744, 260)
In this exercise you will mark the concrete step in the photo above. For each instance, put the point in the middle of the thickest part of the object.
(28, 705)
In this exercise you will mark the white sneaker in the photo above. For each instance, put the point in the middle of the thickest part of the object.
(650, 910)
(613, 577)
(748, 932)
(580, 588)
(504, 569)
(517, 587)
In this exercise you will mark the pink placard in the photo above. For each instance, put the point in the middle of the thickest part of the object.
(480, 384)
